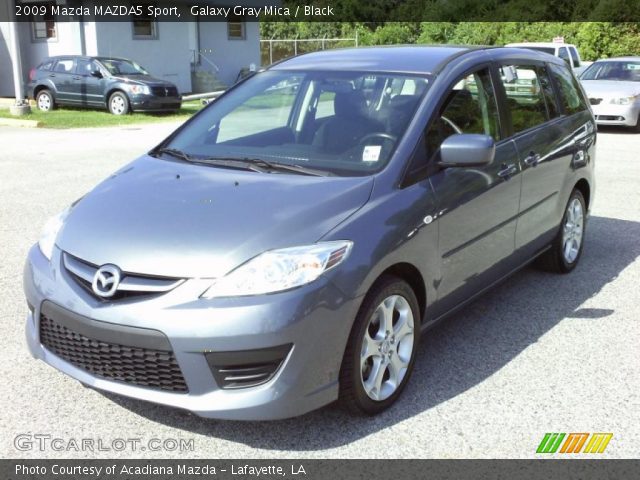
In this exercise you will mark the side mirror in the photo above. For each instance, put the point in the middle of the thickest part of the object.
(96, 73)
(467, 150)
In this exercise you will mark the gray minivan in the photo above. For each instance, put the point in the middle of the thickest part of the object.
(289, 244)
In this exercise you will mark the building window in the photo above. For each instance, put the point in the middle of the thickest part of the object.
(44, 28)
(236, 29)
(144, 28)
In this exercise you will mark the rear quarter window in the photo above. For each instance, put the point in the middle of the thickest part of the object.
(46, 65)
(570, 92)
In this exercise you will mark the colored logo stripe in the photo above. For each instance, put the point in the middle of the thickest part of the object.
(550, 443)
(574, 442)
(598, 442)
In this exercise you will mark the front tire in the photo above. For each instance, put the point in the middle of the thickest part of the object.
(382, 348)
(119, 103)
(566, 250)
(45, 101)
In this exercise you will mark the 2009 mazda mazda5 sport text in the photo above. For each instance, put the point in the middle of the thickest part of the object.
(287, 246)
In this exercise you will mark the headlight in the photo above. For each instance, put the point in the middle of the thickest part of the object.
(139, 89)
(624, 100)
(50, 232)
(278, 270)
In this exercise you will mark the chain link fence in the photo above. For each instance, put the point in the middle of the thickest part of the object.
(273, 50)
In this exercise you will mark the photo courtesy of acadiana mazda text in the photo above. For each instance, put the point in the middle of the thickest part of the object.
(290, 244)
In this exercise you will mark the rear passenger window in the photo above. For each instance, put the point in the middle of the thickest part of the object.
(64, 66)
(324, 107)
(572, 99)
(564, 55)
(525, 96)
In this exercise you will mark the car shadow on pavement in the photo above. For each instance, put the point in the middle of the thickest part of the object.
(455, 356)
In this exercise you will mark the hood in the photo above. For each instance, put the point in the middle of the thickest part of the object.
(610, 88)
(144, 80)
(166, 218)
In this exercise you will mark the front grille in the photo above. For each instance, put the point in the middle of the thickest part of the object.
(164, 91)
(133, 365)
(131, 284)
(248, 368)
(595, 101)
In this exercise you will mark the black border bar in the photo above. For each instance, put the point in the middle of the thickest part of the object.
(319, 469)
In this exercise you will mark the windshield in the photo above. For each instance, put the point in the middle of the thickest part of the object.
(122, 67)
(620, 71)
(344, 123)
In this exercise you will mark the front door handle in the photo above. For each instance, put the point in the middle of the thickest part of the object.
(52, 75)
(507, 171)
(76, 78)
(532, 160)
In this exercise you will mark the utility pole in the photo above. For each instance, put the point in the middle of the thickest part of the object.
(21, 106)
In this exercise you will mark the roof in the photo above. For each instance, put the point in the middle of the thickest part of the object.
(540, 44)
(407, 59)
(619, 59)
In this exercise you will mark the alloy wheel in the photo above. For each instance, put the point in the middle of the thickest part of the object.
(572, 231)
(387, 348)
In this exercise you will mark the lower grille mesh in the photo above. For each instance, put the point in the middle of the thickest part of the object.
(134, 365)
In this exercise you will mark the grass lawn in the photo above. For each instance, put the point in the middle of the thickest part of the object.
(67, 117)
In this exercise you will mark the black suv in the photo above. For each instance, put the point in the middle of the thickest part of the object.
(118, 84)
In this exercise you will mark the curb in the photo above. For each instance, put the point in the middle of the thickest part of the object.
(15, 122)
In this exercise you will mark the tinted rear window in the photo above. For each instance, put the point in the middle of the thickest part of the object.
(570, 92)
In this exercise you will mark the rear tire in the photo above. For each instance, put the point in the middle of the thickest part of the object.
(118, 103)
(381, 351)
(45, 101)
(566, 249)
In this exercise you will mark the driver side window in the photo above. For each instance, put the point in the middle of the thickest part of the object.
(470, 107)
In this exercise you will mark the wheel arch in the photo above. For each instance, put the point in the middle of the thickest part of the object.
(41, 87)
(585, 189)
(113, 90)
(410, 274)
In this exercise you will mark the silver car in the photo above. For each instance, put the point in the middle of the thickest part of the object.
(289, 244)
(613, 88)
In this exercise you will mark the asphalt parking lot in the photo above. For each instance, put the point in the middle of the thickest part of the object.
(541, 353)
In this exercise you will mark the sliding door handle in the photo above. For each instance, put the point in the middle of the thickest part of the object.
(507, 171)
(532, 160)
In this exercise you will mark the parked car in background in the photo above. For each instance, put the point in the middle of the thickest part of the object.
(271, 256)
(566, 51)
(613, 88)
(118, 84)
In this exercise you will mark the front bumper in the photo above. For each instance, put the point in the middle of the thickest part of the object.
(314, 321)
(152, 103)
(622, 115)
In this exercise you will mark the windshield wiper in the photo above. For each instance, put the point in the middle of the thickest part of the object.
(246, 163)
(220, 162)
(174, 152)
(276, 166)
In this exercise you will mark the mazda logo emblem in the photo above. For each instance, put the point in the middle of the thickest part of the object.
(106, 280)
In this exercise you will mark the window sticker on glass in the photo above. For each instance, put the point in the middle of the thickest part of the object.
(371, 153)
